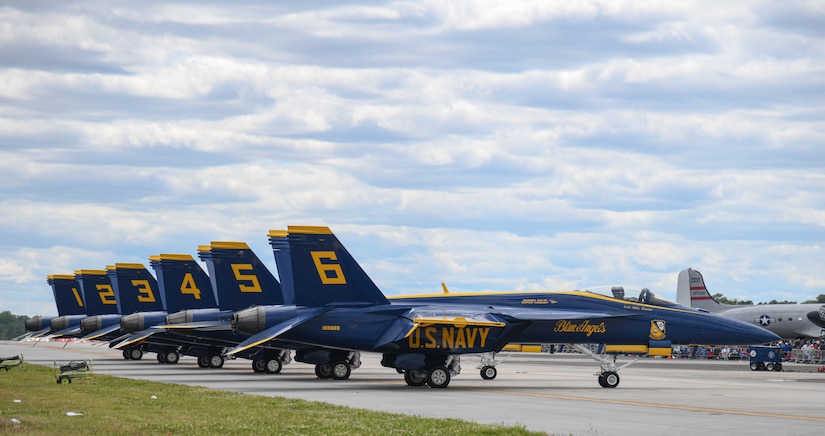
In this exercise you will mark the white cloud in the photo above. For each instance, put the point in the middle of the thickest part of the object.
(493, 146)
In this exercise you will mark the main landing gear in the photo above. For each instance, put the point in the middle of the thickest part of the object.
(273, 362)
(436, 376)
(214, 359)
(339, 369)
(609, 372)
(170, 356)
(135, 353)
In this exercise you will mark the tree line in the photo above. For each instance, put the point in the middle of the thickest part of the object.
(722, 299)
(12, 326)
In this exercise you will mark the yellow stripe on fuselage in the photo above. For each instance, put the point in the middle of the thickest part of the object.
(583, 294)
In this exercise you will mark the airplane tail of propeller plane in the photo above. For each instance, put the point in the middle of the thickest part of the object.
(692, 292)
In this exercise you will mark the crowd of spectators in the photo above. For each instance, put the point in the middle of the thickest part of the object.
(798, 350)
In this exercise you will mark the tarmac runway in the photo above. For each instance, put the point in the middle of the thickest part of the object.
(553, 393)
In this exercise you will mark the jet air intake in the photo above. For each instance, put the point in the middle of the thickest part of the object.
(251, 321)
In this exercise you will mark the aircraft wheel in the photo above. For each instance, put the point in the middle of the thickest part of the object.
(415, 378)
(323, 370)
(135, 353)
(489, 372)
(203, 361)
(610, 380)
(601, 381)
(273, 366)
(161, 357)
(126, 355)
(438, 377)
(259, 365)
(172, 357)
(216, 361)
(341, 371)
(777, 367)
(754, 366)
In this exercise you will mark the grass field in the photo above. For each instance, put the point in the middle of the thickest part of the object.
(111, 405)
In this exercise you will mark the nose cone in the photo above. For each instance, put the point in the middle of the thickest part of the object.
(719, 329)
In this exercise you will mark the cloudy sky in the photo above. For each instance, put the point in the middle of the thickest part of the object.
(490, 145)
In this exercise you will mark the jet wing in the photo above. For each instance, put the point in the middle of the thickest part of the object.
(65, 332)
(99, 333)
(275, 331)
(39, 333)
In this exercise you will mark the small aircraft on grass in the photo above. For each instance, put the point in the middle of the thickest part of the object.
(337, 306)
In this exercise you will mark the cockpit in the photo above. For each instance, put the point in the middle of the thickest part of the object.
(643, 295)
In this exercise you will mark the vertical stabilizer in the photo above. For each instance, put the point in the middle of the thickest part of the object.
(183, 283)
(692, 292)
(97, 290)
(283, 261)
(324, 272)
(67, 295)
(136, 290)
(239, 277)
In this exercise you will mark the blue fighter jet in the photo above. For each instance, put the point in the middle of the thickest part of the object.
(337, 306)
(135, 292)
(69, 302)
(240, 280)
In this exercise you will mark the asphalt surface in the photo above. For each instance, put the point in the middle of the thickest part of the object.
(557, 393)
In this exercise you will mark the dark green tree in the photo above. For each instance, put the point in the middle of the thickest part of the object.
(819, 299)
(11, 326)
(722, 299)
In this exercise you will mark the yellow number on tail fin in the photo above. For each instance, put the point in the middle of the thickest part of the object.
(324, 269)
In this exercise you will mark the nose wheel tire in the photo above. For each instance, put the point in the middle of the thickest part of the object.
(609, 380)
(489, 372)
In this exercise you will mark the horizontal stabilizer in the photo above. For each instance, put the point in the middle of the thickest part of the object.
(40, 333)
(101, 332)
(136, 337)
(65, 332)
(275, 331)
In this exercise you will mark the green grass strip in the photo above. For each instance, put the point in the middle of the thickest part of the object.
(112, 405)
